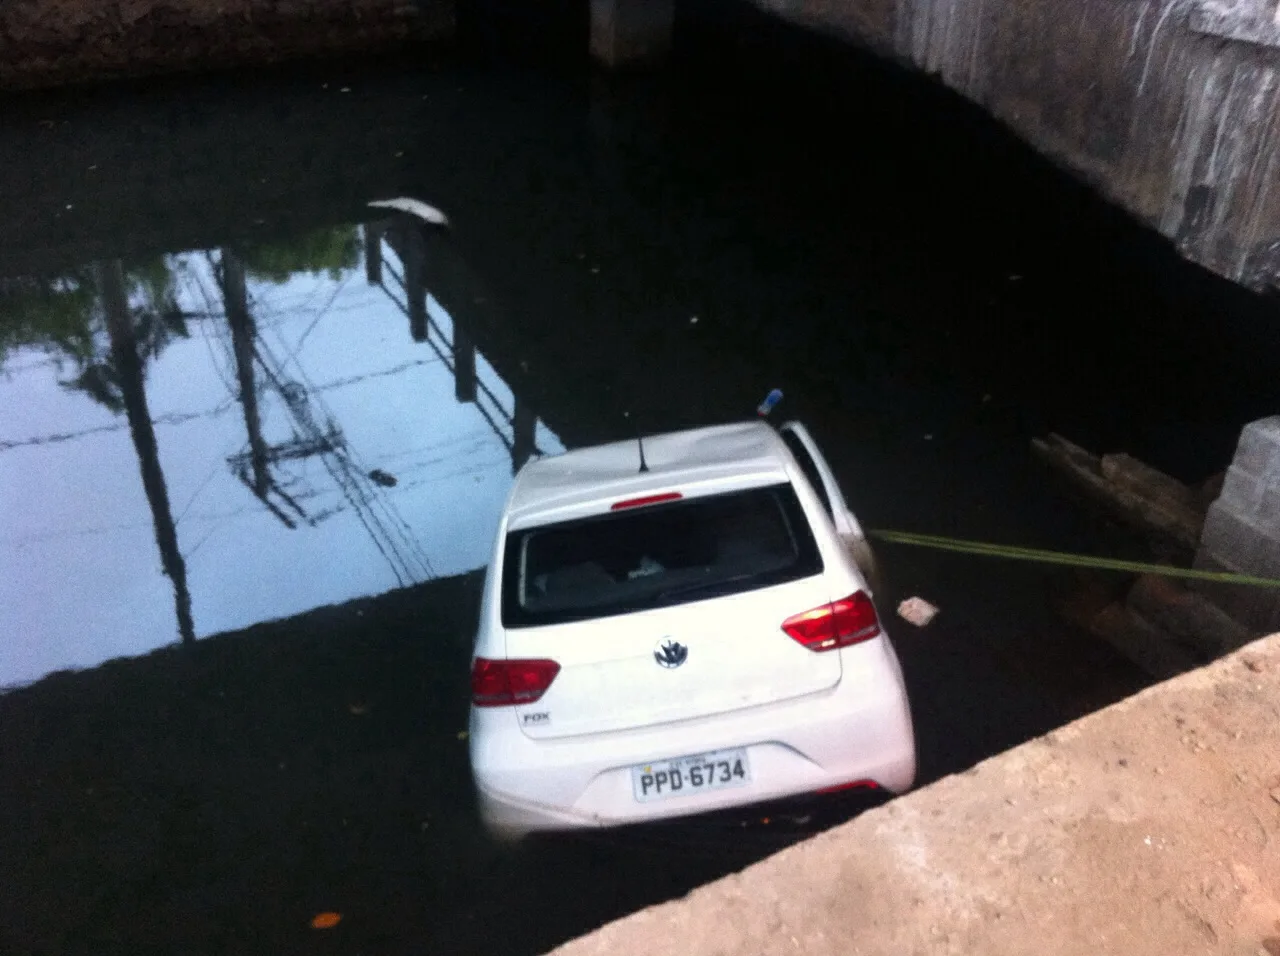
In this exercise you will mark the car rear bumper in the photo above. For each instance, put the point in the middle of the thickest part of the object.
(858, 731)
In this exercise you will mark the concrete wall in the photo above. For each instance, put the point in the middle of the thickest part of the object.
(49, 42)
(1242, 530)
(1170, 107)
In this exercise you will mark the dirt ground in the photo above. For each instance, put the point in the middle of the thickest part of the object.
(1150, 827)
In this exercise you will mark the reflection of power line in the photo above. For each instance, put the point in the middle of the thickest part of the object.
(388, 531)
(178, 418)
(472, 468)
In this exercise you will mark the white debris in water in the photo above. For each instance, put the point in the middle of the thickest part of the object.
(917, 611)
(414, 207)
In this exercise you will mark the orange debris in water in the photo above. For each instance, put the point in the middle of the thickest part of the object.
(326, 920)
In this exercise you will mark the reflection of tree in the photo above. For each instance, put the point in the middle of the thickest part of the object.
(126, 366)
(108, 321)
(63, 314)
(329, 251)
(50, 312)
(157, 321)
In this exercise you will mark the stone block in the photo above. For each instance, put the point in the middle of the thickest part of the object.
(1242, 530)
(1187, 616)
(1247, 495)
(1256, 608)
(1143, 643)
(1249, 544)
(1258, 452)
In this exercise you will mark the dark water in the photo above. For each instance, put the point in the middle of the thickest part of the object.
(232, 393)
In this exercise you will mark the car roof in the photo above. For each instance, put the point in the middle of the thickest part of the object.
(694, 462)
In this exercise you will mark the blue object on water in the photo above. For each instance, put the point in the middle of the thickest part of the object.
(770, 402)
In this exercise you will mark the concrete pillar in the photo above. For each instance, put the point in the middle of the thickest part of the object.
(464, 360)
(1242, 530)
(624, 32)
(415, 287)
(373, 252)
(523, 435)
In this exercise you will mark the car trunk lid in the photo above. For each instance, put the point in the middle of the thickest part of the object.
(674, 663)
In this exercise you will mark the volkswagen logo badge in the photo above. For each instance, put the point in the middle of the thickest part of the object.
(670, 653)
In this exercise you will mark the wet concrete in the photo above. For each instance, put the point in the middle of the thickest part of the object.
(337, 400)
(1169, 107)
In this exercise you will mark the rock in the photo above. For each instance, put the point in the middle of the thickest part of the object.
(1155, 651)
(1187, 616)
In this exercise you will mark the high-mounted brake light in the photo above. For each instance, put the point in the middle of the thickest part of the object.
(647, 500)
(507, 683)
(838, 624)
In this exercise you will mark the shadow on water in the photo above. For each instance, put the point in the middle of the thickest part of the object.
(233, 395)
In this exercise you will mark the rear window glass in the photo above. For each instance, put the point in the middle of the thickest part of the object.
(656, 556)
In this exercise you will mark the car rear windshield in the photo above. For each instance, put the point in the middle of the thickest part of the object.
(656, 556)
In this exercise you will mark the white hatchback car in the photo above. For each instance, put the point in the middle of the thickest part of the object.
(677, 627)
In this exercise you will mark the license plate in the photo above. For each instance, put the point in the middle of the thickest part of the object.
(684, 776)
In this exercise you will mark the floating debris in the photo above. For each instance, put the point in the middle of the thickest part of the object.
(917, 611)
(414, 207)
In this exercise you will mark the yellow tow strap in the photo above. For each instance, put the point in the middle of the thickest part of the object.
(1013, 553)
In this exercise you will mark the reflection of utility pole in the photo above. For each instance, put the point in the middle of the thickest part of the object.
(128, 366)
(236, 299)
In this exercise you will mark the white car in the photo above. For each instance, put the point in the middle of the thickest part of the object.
(675, 626)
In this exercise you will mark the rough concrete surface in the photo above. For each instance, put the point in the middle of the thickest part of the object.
(48, 42)
(1169, 107)
(1150, 827)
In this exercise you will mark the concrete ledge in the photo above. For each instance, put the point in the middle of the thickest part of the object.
(52, 42)
(1150, 827)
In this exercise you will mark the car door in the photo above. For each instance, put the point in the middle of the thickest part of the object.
(815, 467)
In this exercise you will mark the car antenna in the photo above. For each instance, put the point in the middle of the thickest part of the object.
(644, 465)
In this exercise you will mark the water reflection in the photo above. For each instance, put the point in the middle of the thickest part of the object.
(309, 423)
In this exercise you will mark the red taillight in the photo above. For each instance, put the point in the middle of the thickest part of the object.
(647, 500)
(507, 683)
(838, 624)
